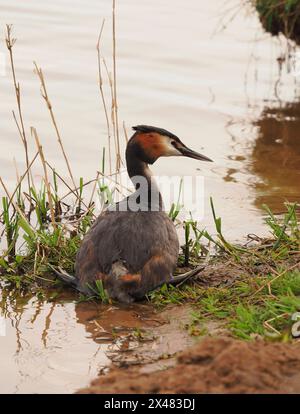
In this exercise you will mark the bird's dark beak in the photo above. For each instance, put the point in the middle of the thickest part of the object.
(187, 152)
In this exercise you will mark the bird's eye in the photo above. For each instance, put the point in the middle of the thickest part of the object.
(173, 143)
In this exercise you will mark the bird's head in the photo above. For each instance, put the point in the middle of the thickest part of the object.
(149, 143)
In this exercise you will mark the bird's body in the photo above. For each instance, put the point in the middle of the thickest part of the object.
(131, 252)
(133, 246)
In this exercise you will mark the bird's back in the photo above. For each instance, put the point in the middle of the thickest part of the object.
(131, 238)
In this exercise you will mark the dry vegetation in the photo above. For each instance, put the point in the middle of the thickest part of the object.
(43, 223)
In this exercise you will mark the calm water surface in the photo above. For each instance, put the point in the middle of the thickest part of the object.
(183, 66)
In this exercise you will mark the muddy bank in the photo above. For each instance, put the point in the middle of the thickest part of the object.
(215, 365)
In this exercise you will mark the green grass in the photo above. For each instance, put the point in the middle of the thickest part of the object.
(280, 16)
(243, 311)
(100, 293)
(41, 246)
(265, 290)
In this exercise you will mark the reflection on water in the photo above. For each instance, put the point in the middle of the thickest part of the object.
(103, 323)
(59, 346)
(275, 158)
(45, 350)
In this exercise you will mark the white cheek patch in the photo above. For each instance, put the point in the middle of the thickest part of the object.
(169, 149)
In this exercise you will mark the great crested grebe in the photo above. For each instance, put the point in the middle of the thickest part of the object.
(133, 247)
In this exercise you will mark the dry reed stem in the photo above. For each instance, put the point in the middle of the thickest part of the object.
(49, 106)
(9, 44)
(115, 182)
(83, 185)
(115, 100)
(94, 189)
(125, 132)
(41, 152)
(110, 82)
(268, 284)
(16, 169)
(100, 79)
(267, 323)
(118, 170)
(73, 191)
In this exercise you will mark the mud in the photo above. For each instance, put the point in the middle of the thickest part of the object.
(214, 365)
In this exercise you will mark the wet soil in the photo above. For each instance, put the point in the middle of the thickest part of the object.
(214, 365)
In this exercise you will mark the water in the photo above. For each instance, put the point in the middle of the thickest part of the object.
(59, 346)
(46, 348)
(186, 67)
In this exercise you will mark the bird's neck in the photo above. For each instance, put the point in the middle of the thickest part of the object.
(147, 191)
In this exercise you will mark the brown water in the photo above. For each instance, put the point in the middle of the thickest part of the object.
(182, 66)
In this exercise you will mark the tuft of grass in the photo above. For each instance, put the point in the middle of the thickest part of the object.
(280, 16)
(100, 293)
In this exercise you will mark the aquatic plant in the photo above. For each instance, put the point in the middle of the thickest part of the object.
(280, 16)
